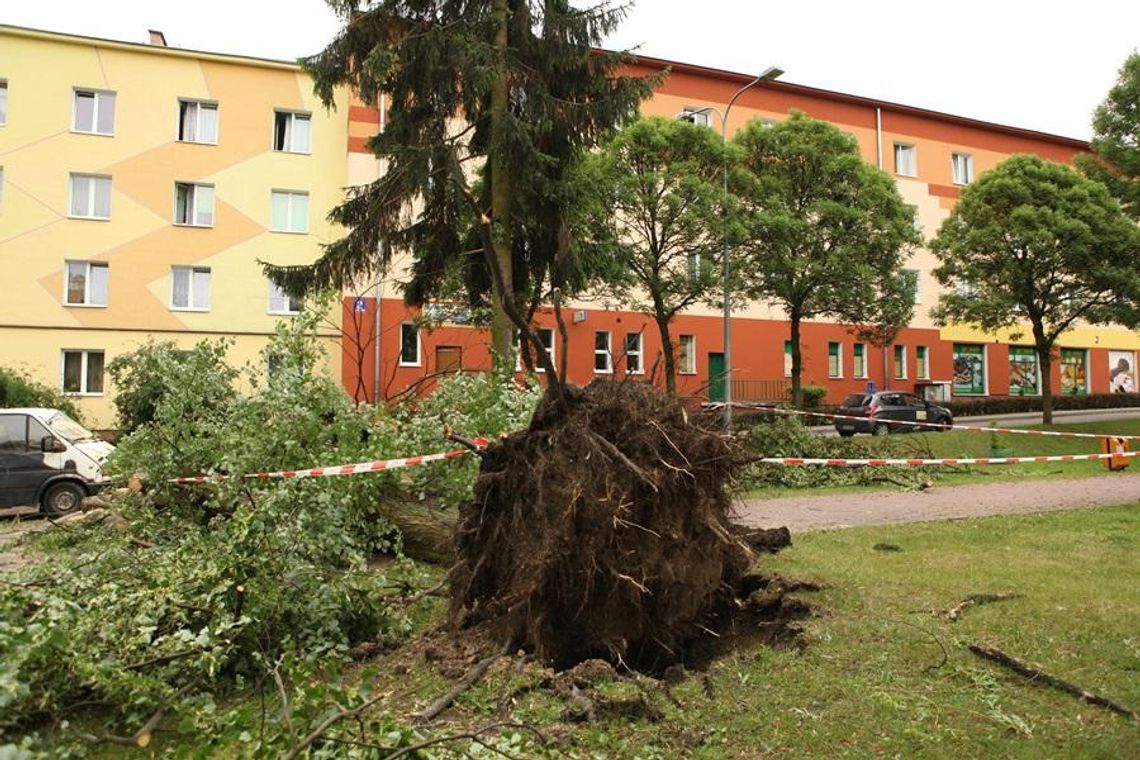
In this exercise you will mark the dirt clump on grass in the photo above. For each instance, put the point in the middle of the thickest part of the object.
(602, 531)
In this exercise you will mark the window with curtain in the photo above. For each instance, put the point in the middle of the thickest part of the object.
(289, 211)
(834, 360)
(190, 288)
(921, 363)
(906, 160)
(900, 362)
(90, 196)
(193, 204)
(292, 132)
(859, 365)
(198, 122)
(93, 111)
(963, 168)
(82, 372)
(688, 345)
(86, 283)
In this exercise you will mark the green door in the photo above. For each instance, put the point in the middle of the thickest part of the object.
(716, 377)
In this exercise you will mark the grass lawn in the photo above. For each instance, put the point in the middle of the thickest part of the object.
(873, 679)
(974, 443)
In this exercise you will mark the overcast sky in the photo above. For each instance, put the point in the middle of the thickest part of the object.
(1039, 65)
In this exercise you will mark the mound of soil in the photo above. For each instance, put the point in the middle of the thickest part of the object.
(602, 531)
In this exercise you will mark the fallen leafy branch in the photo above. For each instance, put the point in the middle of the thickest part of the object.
(1035, 674)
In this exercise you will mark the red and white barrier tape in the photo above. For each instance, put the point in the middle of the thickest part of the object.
(921, 462)
(955, 426)
(378, 465)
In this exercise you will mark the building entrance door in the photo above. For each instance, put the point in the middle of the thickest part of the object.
(716, 377)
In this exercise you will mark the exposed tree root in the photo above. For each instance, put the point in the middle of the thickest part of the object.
(972, 600)
(1035, 674)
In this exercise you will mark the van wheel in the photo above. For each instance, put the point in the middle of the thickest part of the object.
(880, 429)
(62, 498)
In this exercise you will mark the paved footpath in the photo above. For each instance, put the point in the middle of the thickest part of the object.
(800, 513)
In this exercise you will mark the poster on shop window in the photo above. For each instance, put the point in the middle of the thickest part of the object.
(1122, 371)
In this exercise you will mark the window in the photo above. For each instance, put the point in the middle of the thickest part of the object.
(86, 283)
(859, 364)
(282, 303)
(906, 160)
(900, 362)
(921, 363)
(291, 132)
(193, 204)
(916, 221)
(834, 360)
(911, 277)
(1023, 375)
(603, 358)
(696, 115)
(83, 372)
(93, 112)
(3, 102)
(969, 370)
(1073, 371)
(632, 349)
(965, 289)
(694, 265)
(409, 345)
(190, 288)
(787, 358)
(90, 197)
(197, 122)
(688, 354)
(20, 434)
(546, 336)
(290, 211)
(963, 166)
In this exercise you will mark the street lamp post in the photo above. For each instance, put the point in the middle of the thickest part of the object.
(769, 73)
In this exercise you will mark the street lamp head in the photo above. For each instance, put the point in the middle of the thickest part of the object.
(770, 73)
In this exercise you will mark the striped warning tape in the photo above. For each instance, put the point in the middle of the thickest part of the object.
(921, 462)
(940, 426)
(377, 465)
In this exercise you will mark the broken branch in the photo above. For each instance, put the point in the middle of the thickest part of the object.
(1035, 674)
(435, 708)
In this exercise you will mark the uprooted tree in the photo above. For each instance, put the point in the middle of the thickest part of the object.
(608, 516)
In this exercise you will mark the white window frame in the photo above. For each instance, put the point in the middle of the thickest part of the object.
(100, 97)
(84, 354)
(292, 117)
(96, 178)
(688, 367)
(3, 102)
(404, 326)
(542, 332)
(855, 354)
(194, 203)
(191, 270)
(926, 364)
(789, 349)
(199, 105)
(911, 150)
(606, 352)
(88, 266)
(639, 352)
(838, 360)
(967, 167)
(280, 296)
(290, 195)
(899, 369)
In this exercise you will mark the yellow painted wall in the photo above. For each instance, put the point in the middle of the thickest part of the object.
(140, 242)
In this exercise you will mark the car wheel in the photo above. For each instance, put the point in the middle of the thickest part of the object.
(946, 423)
(880, 428)
(62, 498)
(846, 433)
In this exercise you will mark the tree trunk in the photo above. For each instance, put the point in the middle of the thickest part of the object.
(1045, 359)
(428, 532)
(502, 328)
(797, 363)
(667, 349)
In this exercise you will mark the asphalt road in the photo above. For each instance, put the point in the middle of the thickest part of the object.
(1032, 418)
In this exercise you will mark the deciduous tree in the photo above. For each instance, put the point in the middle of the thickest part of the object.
(821, 224)
(659, 194)
(1116, 139)
(1034, 242)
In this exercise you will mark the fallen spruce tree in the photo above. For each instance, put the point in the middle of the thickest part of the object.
(602, 530)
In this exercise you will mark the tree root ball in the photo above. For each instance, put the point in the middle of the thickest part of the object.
(602, 531)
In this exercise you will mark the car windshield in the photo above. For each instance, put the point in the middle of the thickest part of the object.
(856, 399)
(69, 429)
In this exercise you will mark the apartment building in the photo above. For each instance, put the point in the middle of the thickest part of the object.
(931, 155)
(139, 187)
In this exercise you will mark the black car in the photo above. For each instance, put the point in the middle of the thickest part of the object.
(880, 413)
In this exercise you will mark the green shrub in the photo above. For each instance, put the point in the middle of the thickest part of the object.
(813, 396)
(1023, 404)
(17, 389)
(788, 436)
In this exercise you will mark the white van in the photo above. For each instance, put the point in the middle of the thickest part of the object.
(49, 459)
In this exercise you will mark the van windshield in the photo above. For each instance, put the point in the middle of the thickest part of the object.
(857, 399)
(69, 429)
